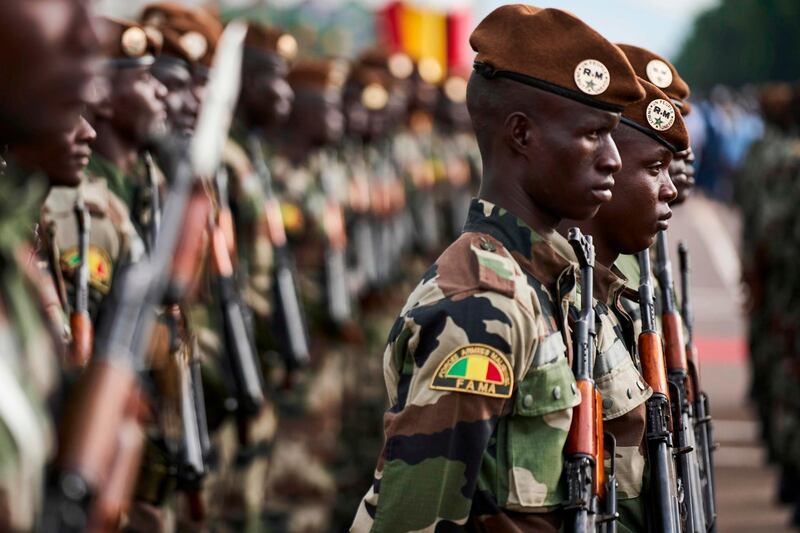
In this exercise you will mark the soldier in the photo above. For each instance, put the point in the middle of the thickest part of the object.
(189, 37)
(47, 65)
(626, 225)
(130, 115)
(113, 241)
(661, 73)
(479, 382)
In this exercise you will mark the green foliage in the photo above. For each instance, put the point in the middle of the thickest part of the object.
(743, 41)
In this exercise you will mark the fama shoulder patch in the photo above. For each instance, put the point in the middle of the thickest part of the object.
(475, 369)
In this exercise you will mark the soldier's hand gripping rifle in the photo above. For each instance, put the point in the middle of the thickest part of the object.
(289, 312)
(659, 437)
(101, 446)
(704, 434)
(591, 496)
(80, 349)
(682, 396)
(336, 287)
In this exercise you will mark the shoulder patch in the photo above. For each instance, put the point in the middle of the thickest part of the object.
(100, 266)
(475, 369)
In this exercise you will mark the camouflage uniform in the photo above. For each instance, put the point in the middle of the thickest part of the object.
(28, 366)
(478, 446)
(624, 392)
(113, 241)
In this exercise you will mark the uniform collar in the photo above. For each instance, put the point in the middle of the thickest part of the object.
(546, 258)
(121, 184)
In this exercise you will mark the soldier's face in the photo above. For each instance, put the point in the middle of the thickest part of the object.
(642, 193)
(138, 104)
(47, 53)
(571, 157)
(318, 116)
(62, 156)
(682, 173)
(181, 101)
(266, 95)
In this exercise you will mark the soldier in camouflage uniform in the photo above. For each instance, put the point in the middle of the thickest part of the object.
(47, 69)
(113, 241)
(626, 225)
(766, 192)
(477, 364)
(660, 72)
(301, 489)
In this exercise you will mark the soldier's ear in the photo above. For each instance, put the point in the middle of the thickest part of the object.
(518, 131)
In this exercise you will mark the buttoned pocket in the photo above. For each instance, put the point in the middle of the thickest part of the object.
(535, 433)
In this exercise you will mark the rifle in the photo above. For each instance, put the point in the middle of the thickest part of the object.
(100, 454)
(587, 485)
(289, 315)
(702, 424)
(682, 394)
(337, 290)
(80, 349)
(155, 200)
(659, 436)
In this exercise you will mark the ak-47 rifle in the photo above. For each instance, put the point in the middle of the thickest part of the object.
(80, 349)
(703, 428)
(591, 495)
(155, 200)
(289, 313)
(336, 288)
(682, 395)
(659, 436)
(101, 447)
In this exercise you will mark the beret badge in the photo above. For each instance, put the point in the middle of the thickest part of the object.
(592, 77)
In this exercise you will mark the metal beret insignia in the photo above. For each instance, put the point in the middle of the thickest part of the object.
(430, 70)
(475, 369)
(374, 97)
(455, 89)
(400, 66)
(287, 46)
(134, 42)
(592, 77)
(194, 44)
(659, 73)
(660, 114)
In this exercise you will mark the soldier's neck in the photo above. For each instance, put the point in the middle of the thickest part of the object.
(120, 151)
(508, 194)
(605, 253)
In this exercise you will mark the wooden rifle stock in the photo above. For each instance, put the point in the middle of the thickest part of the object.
(80, 347)
(189, 251)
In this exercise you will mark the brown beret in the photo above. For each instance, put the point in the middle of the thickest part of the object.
(553, 50)
(189, 33)
(373, 84)
(398, 64)
(660, 72)
(127, 43)
(271, 40)
(657, 117)
(317, 74)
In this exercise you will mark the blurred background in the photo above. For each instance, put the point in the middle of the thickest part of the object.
(731, 52)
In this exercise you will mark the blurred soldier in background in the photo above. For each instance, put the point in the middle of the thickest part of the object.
(47, 69)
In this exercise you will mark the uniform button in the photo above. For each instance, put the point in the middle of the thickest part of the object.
(640, 385)
(527, 401)
(607, 403)
(487, 245)
(630, 394)
(557, 392)
(574, 388)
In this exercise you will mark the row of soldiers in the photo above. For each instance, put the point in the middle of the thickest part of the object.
(181, 354)
(766, 191)
(538, 379)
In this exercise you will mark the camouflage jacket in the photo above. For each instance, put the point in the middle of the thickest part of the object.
(480, 386)
(617, 376)
(28, 358)
(113, 240)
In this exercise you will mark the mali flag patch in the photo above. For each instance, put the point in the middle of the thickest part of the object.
(100, 266)
(475, 369)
